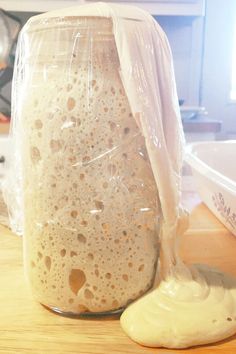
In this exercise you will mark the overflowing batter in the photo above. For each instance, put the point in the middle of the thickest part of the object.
(190, 306)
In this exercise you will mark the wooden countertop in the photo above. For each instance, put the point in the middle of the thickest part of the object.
(28, 327)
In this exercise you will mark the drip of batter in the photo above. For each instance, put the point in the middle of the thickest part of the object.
(184, 311)
(190, 306)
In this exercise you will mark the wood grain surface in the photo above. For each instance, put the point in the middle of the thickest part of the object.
(28, 327)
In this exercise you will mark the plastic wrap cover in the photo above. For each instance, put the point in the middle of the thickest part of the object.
(97, 154)
(146, 71)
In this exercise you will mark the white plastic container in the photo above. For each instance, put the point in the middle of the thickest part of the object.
(214, 169)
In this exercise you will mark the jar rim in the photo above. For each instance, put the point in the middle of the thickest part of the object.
(83, 22)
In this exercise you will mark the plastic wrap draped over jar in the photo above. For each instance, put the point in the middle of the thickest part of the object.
(97, 154)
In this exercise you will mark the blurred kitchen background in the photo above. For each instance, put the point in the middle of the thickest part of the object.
(202, 35)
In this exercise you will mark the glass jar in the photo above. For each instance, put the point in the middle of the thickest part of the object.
(91, 206)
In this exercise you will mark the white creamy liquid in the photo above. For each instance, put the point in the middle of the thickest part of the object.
(182, 312)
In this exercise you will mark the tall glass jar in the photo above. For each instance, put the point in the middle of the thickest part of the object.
(91, 207)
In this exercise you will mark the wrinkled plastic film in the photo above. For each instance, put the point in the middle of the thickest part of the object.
(152, 96)
(12, 187)
(97, 154)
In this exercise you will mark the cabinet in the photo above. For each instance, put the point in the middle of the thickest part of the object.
(155, 7)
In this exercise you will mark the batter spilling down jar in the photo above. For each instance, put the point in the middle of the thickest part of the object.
(91, 207)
